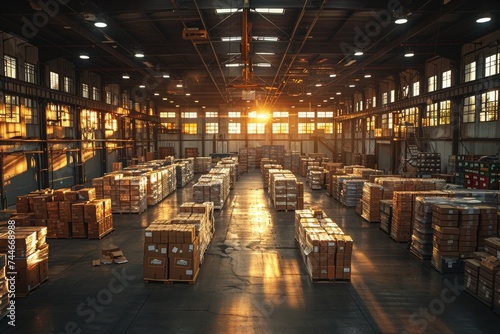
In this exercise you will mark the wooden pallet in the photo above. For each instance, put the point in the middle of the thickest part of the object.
(330, 280)
(173, 281)
(102, 235)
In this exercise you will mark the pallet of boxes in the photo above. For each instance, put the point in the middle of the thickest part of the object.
(325, 249)
(174, 250)
(4, 290)
(29, 258)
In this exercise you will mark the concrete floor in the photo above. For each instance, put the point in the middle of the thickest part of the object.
(252, 281)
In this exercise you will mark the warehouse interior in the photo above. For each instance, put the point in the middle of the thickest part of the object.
(326, 166)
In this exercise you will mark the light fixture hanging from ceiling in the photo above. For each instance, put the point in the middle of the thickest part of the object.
(409, 52)
(483, 17)
(100, 22)
(401, 19)
(358, 53)
(125, 76)
(84, 55)
(139, 54)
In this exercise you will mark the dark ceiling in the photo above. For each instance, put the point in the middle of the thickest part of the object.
(314, 40)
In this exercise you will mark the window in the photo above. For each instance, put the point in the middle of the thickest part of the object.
(339, 128)
(85, 91)
(305, 128)
(280, 114)
(30, 112)
(489, 106)
(109, 97)
(432, 115)
(325, 114)
(234, 128)
(416, 88)
(469, 114)
(234, 114)
(370, 123)
(167, 114)
(374, 102)
(96, 94)
(327, 127)
(189, 128)
(212, 128)
(66, 117)
(54, 80)
(406, 91)
(211, 114)
(384, 98)
(446, 79)
(393, 96)
(30, 73)
(386, 121)
(470, 72)
(432, 83)
(306, 114)
(254, 114)
(444, 112)
(192, 114)
(9, 66)
(491, 65)
(10, 112)
(256, 128)
(68, 85)
(280, 128)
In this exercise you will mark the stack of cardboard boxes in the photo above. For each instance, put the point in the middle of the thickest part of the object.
(174, 250)
(324, 247)
(213, 187)
(386, 215)
(351, 193)
(292, 161)
(31, 257)
(202, 164)
(315, 177)
(446, 238)
(184, 171)
(265, 173)
(283, 190)
(371, 197)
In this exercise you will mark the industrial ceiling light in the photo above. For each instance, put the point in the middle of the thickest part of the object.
(125, 76)
(166, 76)
(139, 54)
(368, 75)
(409, 53)
(100, 22)
(483, 18)
(358, 53)
(352, 85)
(84, 55)
(156, 94)
(142, 86)
(401, 19)
(333, 75)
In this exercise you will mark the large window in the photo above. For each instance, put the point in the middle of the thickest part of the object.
(234, 114)
(374, 102)
(406, 91)
(211, 114)
(416, 88)
(96, 93)
(393, 95)
(256, 128)
(432, 83)
(109, 97)
(9, 66)
(189, 128)
(305, 128)
(491, 65)
(280, 128)
(10, 112)
(85, 90)
(469, 114)
(327, 127)
(191, 114)
(489, 106)
(470, 72)
(445, 112)
(384, 98)
(446, 79)
(339, 128)
(30, 112)
(432, 115)
(306, 114)
(234, 128)
(29, 73)
(280, 114)
(212, 128)
(167, 114)
(54, 80)
(69, 85)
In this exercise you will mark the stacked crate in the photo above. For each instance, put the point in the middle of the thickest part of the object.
(213, 187)
(371, 197)
(31, 259)
(283, 190)
(338, 184)
(98, 217)
(428, 164)
(232, 165)
(386, 215)
(304, 164)
(351, 193)
(471, 275)
(243, 159)
(445, 253)
(315, 176)
(331, 168)
(488, 224)
(325, 249)
(202, 164)
(292, 161)
(132, 190)
(265, 173)
(184, 171)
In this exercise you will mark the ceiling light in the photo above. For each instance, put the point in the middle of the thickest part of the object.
(203, 107)
(139, 54)
(318, 85)
(301, 100)
(165, 98)
(125, 76)
(409, 53)
(188, 94)
(351, 85)
(270, 10)
(332, 97)
(178, 85)
(325, 101)
(368, 75)
(226, 10)
(84, 55)
(196, 101)
(483, 18)
(142, 86)
(157, 94)
(177, 106)
(166, 76)
(308, 93)
(338, 93)
(100, 22)
(333, 75)
(358, 53)
(401, 19)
